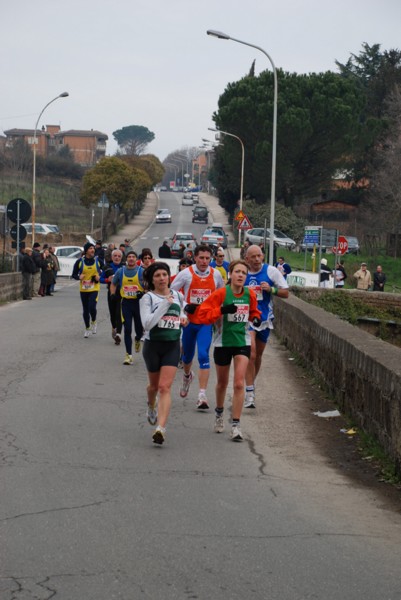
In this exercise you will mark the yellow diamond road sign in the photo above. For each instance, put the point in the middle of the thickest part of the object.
(239, 216)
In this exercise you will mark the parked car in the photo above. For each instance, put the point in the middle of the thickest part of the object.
(353, 244)
(163, 188)
(67, 262)
(200, 214)
(215, 235)
(257, 236)
(42, 228)
(163, 216)
(195, 198)
(66, 251)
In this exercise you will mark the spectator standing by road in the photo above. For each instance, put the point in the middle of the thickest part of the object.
(230, 308)
(36, 276)
(283, 267)
(87, 271)
(325, 274)
(363, 278)
(28, 269)
(47, 274)
(162, 315)
(244, 249)
(339, 276)
(266, 281)
(56, 266)
(379, 279)
(165, 250)
(99, 251)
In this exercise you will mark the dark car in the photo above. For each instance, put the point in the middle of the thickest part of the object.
(200, 214)
(353, 245)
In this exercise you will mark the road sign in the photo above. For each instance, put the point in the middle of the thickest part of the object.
(342, 245)
(14, 232)
(245, 224)
(104, 201)
(240, 215)
(21, 207)
(312, 235)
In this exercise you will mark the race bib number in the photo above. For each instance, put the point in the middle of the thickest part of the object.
(258, 291)
(130, 291)
(242, 314)
(169, 322)
(88, 285)
(198, 296)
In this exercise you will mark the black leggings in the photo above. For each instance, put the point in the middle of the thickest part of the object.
(115, 311)
(89, 304)
(130, 310)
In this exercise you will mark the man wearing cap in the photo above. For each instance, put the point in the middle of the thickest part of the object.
(36, 276)
(129, 280)
(87, 271)
(363, 278)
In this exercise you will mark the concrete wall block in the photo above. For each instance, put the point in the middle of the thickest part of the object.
(10, 287)
(362, 373)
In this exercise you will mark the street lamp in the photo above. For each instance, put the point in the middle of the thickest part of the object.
(224, 36)
(182, 168)
(63, 95)
(241, 195)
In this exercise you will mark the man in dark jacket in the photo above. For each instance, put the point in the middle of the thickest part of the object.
(28, 269)
(379, 279)
(37, 259)
(165, 250)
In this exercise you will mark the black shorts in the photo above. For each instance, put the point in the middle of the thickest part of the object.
(222, 355)
(160, 354)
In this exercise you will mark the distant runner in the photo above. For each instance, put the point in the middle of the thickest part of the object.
(87, 271)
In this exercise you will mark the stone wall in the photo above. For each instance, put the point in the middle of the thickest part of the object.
(10, 287)
(361, 372)
(378, 299)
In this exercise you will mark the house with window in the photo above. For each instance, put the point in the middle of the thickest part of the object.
(86, 146)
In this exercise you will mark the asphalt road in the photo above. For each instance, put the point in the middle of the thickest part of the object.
(91, 509)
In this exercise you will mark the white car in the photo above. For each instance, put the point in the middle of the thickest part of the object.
(42, 228)
(67, 256)
(257, 236)
(187, 200)
(163, 216)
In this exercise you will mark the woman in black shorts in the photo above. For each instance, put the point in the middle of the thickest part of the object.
(162, 317)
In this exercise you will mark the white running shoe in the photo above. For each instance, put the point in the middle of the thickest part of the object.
(186, 383)
(128, 359)
(236, 434)
(249, 400)
(202, 403)
(87, 332)
(219, 424)
(117, 339)
(94, 327)
(152, 414)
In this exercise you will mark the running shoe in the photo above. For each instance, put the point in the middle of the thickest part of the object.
(219, 424)
(137, 345)
(94, 327)
(128, 359)
(186, 382)
(180, 364)
(152, 414)
(202, 403)
(236, 434)
(158, 436)
(117, 339)
(113, 333)
(249, 400)
(87, 332)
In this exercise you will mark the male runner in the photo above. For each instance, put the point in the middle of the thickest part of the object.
(197, 283)
(129, 279)
(113, 300)
(87, 271)
(266, 281)
(220, 264)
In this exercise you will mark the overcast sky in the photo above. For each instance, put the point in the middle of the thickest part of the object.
(150, 62)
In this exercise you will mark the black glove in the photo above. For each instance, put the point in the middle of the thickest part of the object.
(229, 309)
(139, 295)
(190, 308)
(112, 297)
(257, 322)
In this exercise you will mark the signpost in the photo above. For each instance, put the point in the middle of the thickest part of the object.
(18, 211)
(103, 203)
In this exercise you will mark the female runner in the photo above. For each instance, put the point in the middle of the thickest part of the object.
(230, 308)
(162, 316)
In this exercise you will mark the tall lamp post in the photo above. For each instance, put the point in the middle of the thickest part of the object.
(241, 195)
(224, 36)
(171, 165)
(182, 168)
(63, 95)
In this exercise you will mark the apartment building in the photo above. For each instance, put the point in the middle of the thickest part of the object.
(86, 146)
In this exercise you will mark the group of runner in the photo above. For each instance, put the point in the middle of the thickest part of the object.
(198, 306)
